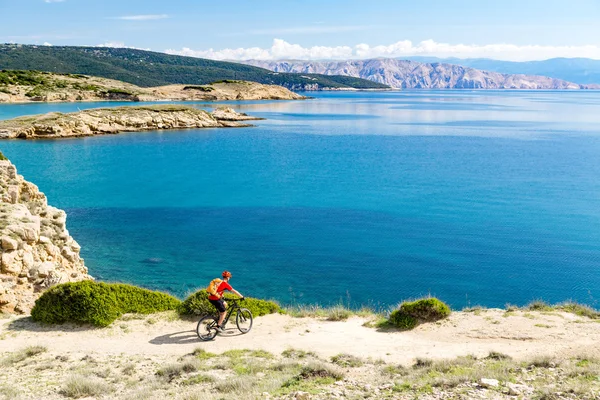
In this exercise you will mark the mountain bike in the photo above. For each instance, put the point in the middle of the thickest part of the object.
(207, 326)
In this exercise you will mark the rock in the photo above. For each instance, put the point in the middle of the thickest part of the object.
(299, 395)
(31, 260)
(116, 120)
(489, 383)
(9, 243)
(45, 269)
(13, 194)
(11, 263)
(515, 389)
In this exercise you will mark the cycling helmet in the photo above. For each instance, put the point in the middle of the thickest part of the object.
(226, 274)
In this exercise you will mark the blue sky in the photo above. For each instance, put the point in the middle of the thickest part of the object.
(510, 29)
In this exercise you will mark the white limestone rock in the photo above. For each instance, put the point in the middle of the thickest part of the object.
(37, 250)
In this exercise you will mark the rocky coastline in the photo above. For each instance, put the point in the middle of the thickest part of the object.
(101, 121)
(36, 248)
(37, 86)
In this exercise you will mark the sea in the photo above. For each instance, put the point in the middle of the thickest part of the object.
(480, 198)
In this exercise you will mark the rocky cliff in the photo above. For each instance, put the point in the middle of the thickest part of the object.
(37, 250)
(118, 119)
(414, 75)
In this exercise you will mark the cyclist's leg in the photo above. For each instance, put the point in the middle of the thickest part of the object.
(221, 318)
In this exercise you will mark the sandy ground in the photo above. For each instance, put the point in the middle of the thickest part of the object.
(518, 334)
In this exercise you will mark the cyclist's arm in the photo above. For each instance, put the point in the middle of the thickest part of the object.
(236, 292)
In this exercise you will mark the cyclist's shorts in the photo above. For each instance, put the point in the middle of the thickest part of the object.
(219, 304)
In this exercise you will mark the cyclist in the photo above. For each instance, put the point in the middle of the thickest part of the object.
(217, 300)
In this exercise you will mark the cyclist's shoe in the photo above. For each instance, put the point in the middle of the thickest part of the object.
(220, 329)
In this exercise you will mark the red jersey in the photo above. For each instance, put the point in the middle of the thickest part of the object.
(222, 287)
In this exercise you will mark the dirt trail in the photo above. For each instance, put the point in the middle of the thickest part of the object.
(517, 334)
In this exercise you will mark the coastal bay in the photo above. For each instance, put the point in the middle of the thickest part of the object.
(445, 193)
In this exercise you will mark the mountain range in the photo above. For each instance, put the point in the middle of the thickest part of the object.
(411, 74)
(578, 70)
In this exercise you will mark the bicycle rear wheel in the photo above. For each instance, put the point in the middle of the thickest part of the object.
(243, 320)
(207, 328)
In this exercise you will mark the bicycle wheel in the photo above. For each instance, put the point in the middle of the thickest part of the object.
(207, 328)
(243, 320)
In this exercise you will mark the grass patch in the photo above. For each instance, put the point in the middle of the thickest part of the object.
(347, 360)
(494, 355)
(83, 386)
(202, 354)
(198, 379)
(238, 384)
(173, 371)
(297, 354)
(21, 355)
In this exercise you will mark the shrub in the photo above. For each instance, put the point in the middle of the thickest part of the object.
(197, 303)
(410, 314)
(97, 303)
(120, 92)
(2, 156)
(200, 88)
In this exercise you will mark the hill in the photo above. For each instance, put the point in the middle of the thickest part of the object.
(417, 75)
(146, 68)
(17, 86)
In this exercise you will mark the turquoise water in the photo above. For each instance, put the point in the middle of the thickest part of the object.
(479, 198)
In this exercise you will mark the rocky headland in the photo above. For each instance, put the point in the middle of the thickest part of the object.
(36, 248)
(36, 86)
(118, 119)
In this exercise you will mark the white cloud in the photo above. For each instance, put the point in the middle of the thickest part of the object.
(146, 17)
(47, 44)
(120, 45)
(283, 50)
(54, 1)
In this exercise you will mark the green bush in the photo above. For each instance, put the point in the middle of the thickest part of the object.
(197, 303)
(97, 303)
(410, 314)
(120, 91)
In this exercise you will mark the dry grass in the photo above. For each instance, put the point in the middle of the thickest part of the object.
(21, 355)
(83, 386)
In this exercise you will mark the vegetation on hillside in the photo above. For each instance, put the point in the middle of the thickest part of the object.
(98, 303)
(412, 313)
(146, 68)
(197, 304)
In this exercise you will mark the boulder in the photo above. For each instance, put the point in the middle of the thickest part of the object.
(11, 263)
(9, 243)
(489, 383)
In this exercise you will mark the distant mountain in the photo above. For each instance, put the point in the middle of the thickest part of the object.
(579, 70)
(146, 68)
(418, 75)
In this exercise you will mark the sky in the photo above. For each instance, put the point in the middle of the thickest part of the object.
(326, 29)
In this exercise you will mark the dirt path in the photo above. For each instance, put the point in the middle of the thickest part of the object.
(517, 334)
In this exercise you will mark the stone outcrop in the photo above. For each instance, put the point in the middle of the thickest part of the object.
(36, 248)
(119, 119)
(415, 75)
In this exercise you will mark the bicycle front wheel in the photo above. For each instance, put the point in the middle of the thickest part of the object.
(207, 328)
(243, 320)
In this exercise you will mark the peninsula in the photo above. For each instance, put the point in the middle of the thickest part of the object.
(114, 120)
(18, 86)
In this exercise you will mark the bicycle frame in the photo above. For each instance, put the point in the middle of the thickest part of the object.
(230, 309)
